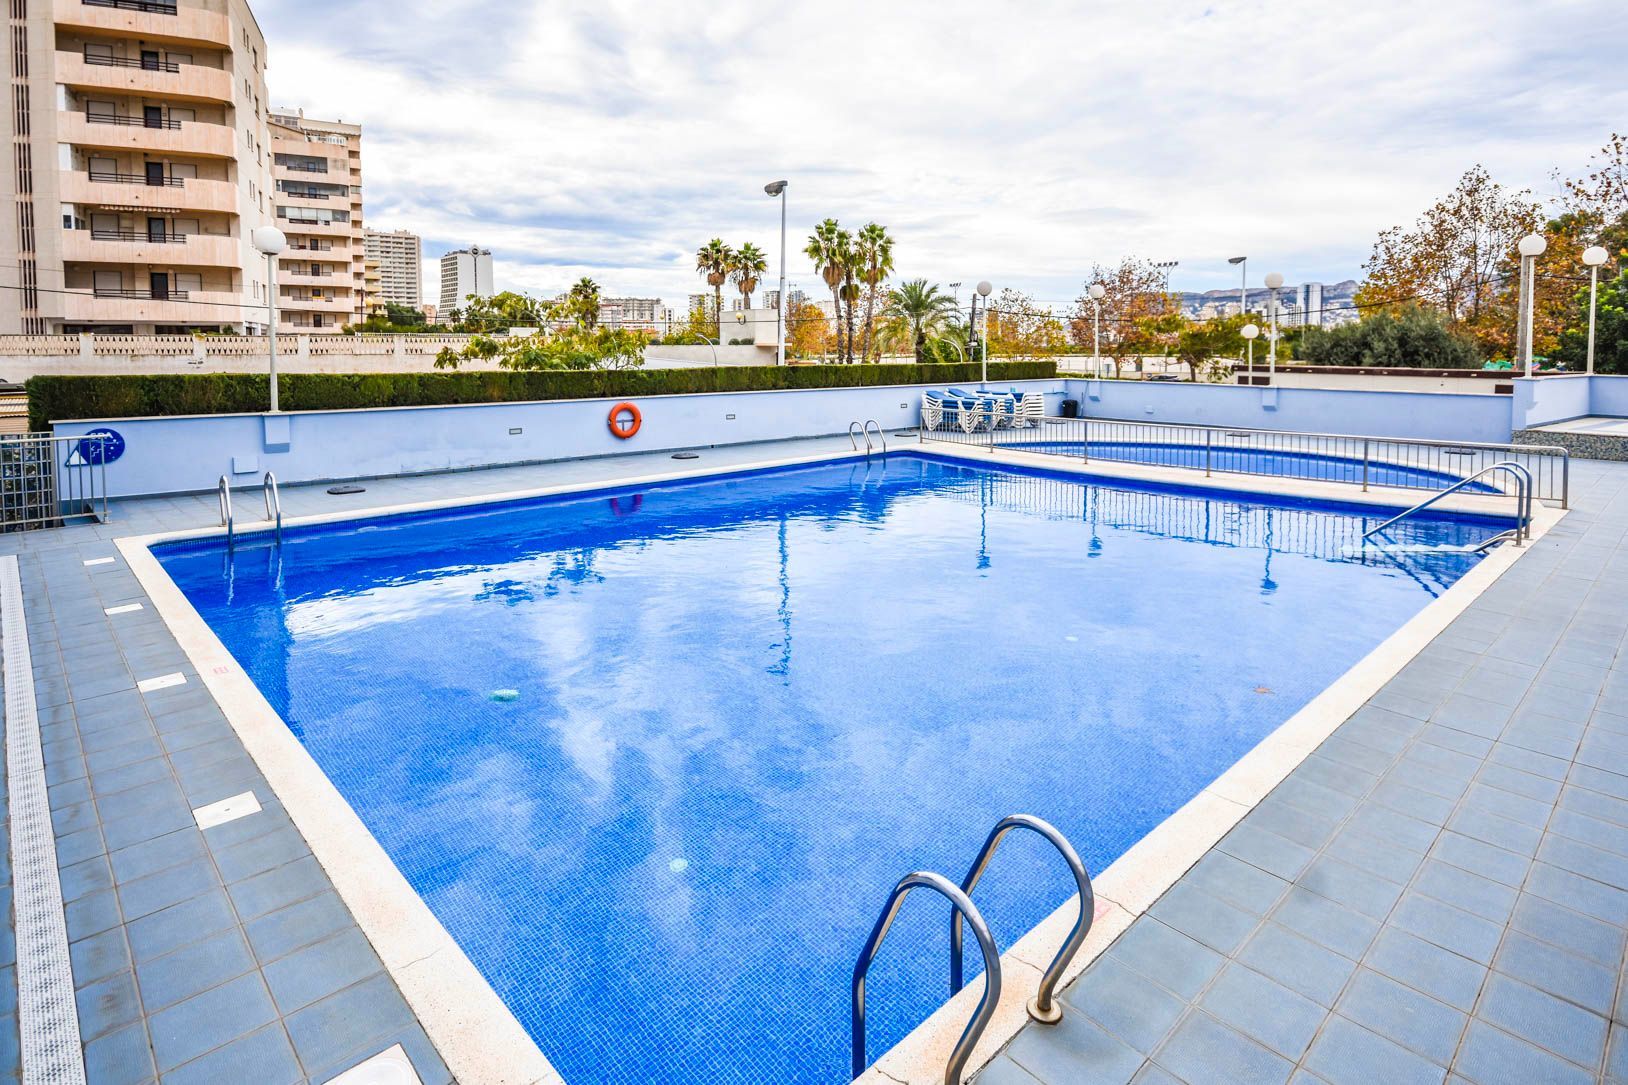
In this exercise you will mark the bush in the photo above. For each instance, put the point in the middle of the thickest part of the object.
(124, 396)
(1410, 337)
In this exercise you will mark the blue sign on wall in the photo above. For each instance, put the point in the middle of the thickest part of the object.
(106, 450)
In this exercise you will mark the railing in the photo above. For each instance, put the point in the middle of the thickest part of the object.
(274, 502)
(923, 879)
(1396, 462)
(131, 122)
(295, 193)
(154, 6)
(105, 234)
(298, 168)
(138, 295)
(1523, 500)
(223, 504)
(136, 179)
(46, 481)
(126, 62)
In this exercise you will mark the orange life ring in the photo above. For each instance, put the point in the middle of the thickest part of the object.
(622, 429)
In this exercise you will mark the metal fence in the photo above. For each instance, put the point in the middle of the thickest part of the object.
(1313, 457)
(47, 481)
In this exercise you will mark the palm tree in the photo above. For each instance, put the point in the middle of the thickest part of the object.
(582, 300)
(713, 261)
(749, 263)
(920, 305)
(873, 255)
(831, 249)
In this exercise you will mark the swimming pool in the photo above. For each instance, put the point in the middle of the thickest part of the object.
(654, 757)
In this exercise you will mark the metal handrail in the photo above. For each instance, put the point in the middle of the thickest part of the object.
(1042, 1008)
(274, 502)
(1523, 499)
(881, 438)
(992, 969)
(852, 426)
(223, 501)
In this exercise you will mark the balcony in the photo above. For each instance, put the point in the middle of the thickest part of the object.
(136, 247)
(313, 228)
(132, 191)
(151, 20)
(154, 79)
(139, 307)
(200, 138)
(300, 278)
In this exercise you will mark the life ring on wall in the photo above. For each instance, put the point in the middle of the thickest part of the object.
(625, 428)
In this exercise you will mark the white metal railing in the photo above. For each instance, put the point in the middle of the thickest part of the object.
(48, 481)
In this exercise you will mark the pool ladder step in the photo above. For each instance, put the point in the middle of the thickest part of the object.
(268, 491)
(1044, 1007)
(863, 429)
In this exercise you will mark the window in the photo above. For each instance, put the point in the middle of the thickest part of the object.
(101, 109)
(95, 51)
(183, 115)
(179, 58)
(188, 281)
(186, 170)
(103, 167)
(107, 282)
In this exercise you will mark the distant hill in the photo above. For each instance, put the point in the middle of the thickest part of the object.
(1336, 308)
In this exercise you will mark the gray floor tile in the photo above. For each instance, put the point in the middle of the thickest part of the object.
(1493, 1057)
(1129, 1006)
(1552, 1024)
(1345, 1053)
(1263, 1010)
(1203, 1049)
(1403, 1015)
(1166, 956)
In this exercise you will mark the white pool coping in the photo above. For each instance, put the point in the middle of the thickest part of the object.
(477, 1035)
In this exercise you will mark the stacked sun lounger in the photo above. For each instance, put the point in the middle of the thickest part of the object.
(981, 410)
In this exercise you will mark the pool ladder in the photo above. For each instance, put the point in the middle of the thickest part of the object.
(268, 491)
(1043, 1007)
(1523, 505)
(857, 430)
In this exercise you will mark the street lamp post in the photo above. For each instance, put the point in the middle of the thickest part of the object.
(1242, 264)
(1531, 247)
(1593, 256)
(271, 241)
(984, 289)
(1250, 331)
(778, 188)
(1097, 292)
(1274, 283)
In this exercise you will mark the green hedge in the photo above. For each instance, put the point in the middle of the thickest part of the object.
(129, 396)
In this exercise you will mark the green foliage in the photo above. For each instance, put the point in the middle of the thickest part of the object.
(125, 396)
(1610, 330)
(499, 313)
(575, 346)
(1406, 337)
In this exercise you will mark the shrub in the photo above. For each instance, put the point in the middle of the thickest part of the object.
(125, 396)
(1409, 337)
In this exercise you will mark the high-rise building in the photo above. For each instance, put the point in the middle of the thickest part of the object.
(1309, 297)
(465, 272)
(401, 260)
(138, 167)
(632, 313)
(372, 289)
(317, 168)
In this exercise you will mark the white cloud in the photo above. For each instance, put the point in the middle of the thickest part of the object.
(1017, 144)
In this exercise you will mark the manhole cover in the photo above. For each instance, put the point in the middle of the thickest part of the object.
(686, 455)
(347, 489)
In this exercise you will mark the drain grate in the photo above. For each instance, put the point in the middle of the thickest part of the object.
(46, 1015)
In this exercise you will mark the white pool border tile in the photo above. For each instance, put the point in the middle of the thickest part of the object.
(475, 1032)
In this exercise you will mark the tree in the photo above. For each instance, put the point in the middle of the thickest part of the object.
(580, 304)
(713, 261)
(749, 264)
(873, 259)
(1018, 326)
(831, 249)
(1610, 328)
(499, 313)
(922, 308)
(1134, 291)
(1200, 342)
(572, 347)
(1405, 336)
(808, 331)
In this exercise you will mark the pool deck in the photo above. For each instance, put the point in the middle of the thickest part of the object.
(1443, 884)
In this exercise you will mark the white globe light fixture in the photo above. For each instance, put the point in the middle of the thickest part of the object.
(1274, 283)
(1097, 292)
(1593, 257)
(271, 241)
(1530, 247)
(985, 288)
(1250, 332)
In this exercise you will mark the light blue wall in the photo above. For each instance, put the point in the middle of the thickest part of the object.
(1378, 413)
(186, 454)
(1608, 396)
(1541, 400)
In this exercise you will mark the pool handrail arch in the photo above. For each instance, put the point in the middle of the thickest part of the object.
(961, 904)
(1042, 1007)
(1523, 499)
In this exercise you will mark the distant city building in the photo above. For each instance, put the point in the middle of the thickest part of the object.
(430, 312)
(400, 254)
(702, 302)
(1309, 298)
(465, 272)
(372, 291)
(771, 299)
(634, 313)
(317, 170)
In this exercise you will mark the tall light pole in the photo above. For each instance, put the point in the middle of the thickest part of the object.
(1274, 283)
(778, 188)
(1250, 331)
(1530, 247)
(1097, 292)
(984, 289)
(271, 241)
(1593, 256)
(1242, 264)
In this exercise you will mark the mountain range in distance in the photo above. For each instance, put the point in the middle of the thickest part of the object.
(1336, 307)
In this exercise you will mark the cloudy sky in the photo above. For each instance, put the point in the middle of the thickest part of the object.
(1018, 143)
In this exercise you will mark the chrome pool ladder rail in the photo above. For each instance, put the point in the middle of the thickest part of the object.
(274, 502)
(859, 429)
(881, 438)
(962, 904)
(223, 503)
(1523, 499)
(1043, 1007)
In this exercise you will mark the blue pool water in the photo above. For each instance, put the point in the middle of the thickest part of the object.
(745, 706)
(1301, 465)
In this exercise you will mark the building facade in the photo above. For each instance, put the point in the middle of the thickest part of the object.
(137, 168)
(1309, 297)
(317, 171)
(400, 256)
(635, 314)
(465, 272)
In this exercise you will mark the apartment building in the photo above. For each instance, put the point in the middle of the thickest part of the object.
(631, 313)
(137, 168)
(465, 272)
(400, 255)
(317, 170)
